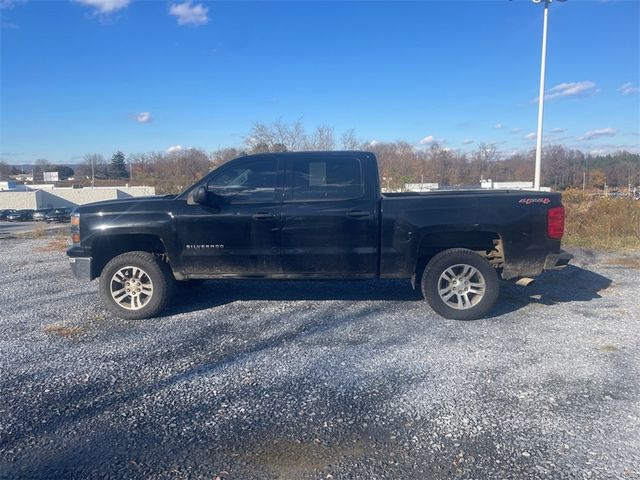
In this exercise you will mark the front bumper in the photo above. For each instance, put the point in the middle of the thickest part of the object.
(557, 261)
(81, 267)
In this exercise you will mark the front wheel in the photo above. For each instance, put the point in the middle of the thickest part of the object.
(136, 285)
(459, 284)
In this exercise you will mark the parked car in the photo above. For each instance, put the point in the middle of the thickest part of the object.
(40, 215)
(316, 215)
(58, 215)
(4, 213)
(20, 215)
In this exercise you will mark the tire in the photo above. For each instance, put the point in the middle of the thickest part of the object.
(150, 282)
(442, 286)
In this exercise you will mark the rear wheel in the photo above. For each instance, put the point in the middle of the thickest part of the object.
(460, 284)
(136, 285)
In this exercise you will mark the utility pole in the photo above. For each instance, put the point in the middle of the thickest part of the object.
(93, 174)
(543, 64)
(584, 180)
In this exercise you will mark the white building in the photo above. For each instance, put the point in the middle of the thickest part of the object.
(52, 197)
(506, 185)
(10, 185)
(421, 187)
(490, 184)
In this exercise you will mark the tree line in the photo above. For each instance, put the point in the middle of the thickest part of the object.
(400, 161)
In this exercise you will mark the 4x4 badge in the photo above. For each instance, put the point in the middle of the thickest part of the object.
(529, 201)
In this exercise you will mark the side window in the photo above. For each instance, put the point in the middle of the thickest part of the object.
(326, 179)
(251, 181)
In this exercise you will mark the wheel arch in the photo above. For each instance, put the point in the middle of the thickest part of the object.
(106, 247)
(486, 243)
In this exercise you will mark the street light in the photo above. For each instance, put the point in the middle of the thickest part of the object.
(536, 180)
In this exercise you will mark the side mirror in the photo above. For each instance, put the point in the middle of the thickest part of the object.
(203, 196)
(200, 195)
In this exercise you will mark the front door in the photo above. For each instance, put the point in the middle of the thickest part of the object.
(240, 236)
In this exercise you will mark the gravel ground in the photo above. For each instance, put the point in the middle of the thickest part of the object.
(11, 229)
(319, 380)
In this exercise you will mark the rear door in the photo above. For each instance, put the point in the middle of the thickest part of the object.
(329, 217)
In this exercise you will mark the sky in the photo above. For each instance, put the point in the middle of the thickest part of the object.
(96, 76)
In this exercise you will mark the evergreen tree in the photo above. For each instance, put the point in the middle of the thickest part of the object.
(118, 168)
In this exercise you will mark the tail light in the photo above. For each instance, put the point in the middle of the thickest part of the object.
(75, 228)
(555, 222)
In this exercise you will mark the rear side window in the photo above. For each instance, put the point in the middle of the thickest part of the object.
(326, 179)
(251, 181)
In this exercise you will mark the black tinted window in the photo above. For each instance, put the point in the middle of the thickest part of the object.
(247, 181)
(326, 179)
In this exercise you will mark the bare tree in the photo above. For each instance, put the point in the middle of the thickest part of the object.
(95, 165)
(41, 165)
(322, 139)
(481, 157)
(350, 141)
(224, 155)
(275, 137)
(5, 170)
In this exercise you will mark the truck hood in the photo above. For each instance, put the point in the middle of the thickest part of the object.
(134, 204)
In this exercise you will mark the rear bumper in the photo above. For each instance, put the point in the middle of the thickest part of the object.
(81, 267)
(557, 261)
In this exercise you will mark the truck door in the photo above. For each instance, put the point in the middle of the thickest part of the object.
(240, 237)
(329, 217)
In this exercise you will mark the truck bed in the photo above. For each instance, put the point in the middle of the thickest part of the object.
(415, 223)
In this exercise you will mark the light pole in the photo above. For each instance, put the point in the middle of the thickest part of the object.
(543, 62)
(93, 174)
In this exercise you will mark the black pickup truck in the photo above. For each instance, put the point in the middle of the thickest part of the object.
(316, 215)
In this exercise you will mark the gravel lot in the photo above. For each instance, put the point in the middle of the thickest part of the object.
(319, 380)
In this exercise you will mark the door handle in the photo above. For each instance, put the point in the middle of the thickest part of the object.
(263, 215)
(358, 213)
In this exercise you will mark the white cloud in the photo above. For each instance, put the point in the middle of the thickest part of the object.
(530, 136)
(599, 132)
(558, 130)
(373, 143)
(174, 149)
(571, 89)
(628, 89)
(599, 151)
(143, 117)
(10, 3)
(189, 14)
(105, 6)
(607, 148)
(498, 126)
(429, 139)
(516, 130)
(613, 147)
(467, 141)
